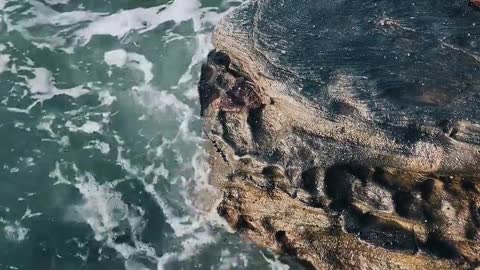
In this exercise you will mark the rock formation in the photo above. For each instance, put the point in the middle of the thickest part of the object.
(346, 134)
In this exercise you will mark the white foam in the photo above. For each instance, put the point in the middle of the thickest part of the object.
(181, 225)
(89, 127)
(64, 141)
(103, 208)
(139, 19)
(120, 58)
(102, 146)
(15, 232)
(275, 264)
(56, 2)
(195, 226)
(74, 92)
(106, 99)
(158, 101)
(140, 62)
(46, 124)
(42, 14)
(116, 58)
(29, 161)
(232, 262)
(4, 59)
(42, 83)
(57, 174)
(43, 88)
(104, 211)
(29, 214)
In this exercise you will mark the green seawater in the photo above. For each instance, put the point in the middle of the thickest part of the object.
(102, 160)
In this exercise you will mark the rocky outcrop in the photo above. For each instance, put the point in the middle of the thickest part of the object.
(330, 154)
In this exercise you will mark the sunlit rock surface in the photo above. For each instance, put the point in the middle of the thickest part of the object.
(346, 134)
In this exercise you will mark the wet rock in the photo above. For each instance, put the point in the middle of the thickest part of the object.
(474, 3)
(348, 136)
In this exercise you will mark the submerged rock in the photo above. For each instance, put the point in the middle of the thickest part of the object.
(347, 134)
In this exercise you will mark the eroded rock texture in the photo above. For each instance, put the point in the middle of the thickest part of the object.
(347, 133)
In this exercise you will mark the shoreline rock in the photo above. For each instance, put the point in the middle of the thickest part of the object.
(335, 180)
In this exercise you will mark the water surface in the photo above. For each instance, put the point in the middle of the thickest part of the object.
(102, 162)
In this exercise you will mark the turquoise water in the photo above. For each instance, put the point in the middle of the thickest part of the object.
(102, 157)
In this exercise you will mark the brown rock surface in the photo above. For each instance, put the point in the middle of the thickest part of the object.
(322, 180)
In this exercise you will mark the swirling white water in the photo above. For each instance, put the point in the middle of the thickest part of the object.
(102, 158)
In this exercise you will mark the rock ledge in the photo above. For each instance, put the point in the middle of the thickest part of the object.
(334, 177)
